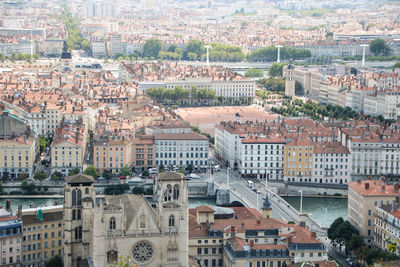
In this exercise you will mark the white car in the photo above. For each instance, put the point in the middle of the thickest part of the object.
(193, 176)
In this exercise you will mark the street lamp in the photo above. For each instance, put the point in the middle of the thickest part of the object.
(301, 201)
(257, 199)
(227, 176)
(364, 46)
(278, 60)
(208, 49)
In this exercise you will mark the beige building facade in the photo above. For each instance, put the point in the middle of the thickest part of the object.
(42, 239)
(363, 199)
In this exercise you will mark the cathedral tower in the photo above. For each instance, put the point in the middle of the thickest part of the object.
(79, 200)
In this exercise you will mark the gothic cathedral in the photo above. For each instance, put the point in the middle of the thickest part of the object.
(151, 231)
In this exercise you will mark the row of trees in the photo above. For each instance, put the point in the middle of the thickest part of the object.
(343, 233)
(316, 111)
(178, 95)
(75, 39)
(195, 50)
(270, 54)
(19, 56)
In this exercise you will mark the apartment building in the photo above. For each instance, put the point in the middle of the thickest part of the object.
(386, 225)
(143, 151)
(262, 156)
(112, 154)
(332, 163)
(18, 146)
(53, 117)
(10, 239)
(364, 197)
(181, 150)
(298, 161)
(68, 148)
(42, 235)
(245, 237)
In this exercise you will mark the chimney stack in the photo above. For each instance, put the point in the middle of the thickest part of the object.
(366, 186)
(383, 188)
(252, 243)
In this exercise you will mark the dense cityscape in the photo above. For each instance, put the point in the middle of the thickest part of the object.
(201, 133)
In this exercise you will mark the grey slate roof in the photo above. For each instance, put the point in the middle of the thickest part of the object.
(79, 178)
(171, 176)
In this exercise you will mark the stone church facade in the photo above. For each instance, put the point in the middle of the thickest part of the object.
(151, 231)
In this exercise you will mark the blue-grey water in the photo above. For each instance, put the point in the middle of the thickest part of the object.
(324, 209)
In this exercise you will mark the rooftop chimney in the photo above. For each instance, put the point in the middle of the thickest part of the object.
(252, 243)
(366, 186)
(313, 234)
(383, 188)
(358, 181)
(396, 188)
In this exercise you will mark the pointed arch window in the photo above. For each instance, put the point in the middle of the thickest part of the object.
(87, 191)
(171, 221)
(73, 214)
(73, 197)
(168, 193)
(176, 192)
(79, 197)
(78, 215)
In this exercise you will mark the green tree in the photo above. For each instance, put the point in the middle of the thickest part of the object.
(1, 188)
(5, 176)
(125, 171)
(333, 230)
(191, 56)
(377, 47)
(145, 173)
(355, 243)
(276, 69)
(396, 65)
(56, 176)
(40, 176)
(189, 168)
(252, 73)
(35, 56)
(138, 190)
(28, 188)
(22, 176)
(2, 58)
(74, 171)
(116, 189)
(43, 142)
(85, 45)
(91, 170)
(194, 47)
(152, 47)
(55, 261)
(172, 48)
(107, 174)
(161, 168)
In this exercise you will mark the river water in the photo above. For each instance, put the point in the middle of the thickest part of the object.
(323, 210)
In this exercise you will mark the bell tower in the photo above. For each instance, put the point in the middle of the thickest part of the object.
(266, 208)
(79, 200)
(171, 195)
(290, 82)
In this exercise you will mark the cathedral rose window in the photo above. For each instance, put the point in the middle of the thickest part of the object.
(142, 251)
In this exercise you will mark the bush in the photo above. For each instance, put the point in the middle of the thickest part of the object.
(117, 189)
(138, 190)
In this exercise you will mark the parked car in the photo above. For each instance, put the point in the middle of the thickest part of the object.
(193, 176)
(122, 177)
